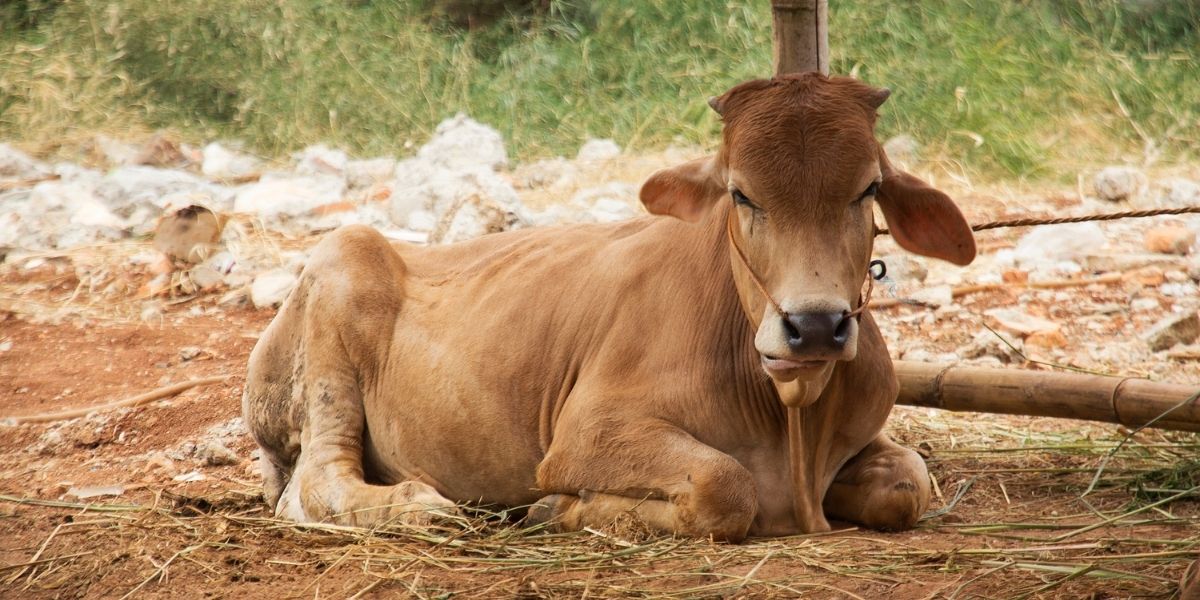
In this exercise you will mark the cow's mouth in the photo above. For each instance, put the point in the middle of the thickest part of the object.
(789, 368)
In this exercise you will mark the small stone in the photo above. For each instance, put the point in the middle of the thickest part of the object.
(1118, 183)
(1181, 192)
(1014, 276)
(1021, 322)
(270, 289)
(219, 162)
(905, 269)
(215, 454)
(205, 277)
(936, 296)
(1144, 304)
(1046, 339)
(1175, 329)
(598, 149)
(988, 344)
(1170, 239)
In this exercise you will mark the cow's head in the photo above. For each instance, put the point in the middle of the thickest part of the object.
(797, 175)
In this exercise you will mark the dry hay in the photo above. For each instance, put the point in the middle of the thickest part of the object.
(1008, 522)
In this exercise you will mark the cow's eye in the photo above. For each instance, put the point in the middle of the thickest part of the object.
(870, 191)
(740, 198)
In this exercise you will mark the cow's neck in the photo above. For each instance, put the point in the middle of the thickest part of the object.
(729, 335)
(775, 411)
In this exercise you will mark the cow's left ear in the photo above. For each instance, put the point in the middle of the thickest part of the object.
(922, 219)
(685, 191)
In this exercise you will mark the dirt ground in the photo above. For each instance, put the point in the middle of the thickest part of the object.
(163, 499)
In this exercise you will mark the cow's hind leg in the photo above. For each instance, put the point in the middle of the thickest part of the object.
(348, 296)
(328, 484)
(886, 486)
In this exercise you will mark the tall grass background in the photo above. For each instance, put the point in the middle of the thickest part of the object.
(1028, 88)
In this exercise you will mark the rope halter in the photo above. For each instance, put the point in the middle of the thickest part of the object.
(864, 300)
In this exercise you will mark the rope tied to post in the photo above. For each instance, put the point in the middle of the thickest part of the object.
(1028, 222)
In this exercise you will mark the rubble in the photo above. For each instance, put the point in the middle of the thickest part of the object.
(189, 234)
(1170, 239)
(277, 197)
(320, 159)
(1118, 183)
(1059, 243)
(461, 143)
(15, 164)
(219, 162)
(1176, 329)
(598, 149)
(270, 289)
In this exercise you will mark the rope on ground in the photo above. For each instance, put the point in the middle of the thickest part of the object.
(150, 396)
(1129, 214)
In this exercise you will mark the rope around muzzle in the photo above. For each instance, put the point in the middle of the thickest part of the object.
(864, 300)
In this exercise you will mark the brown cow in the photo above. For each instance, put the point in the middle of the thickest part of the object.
(711, 373)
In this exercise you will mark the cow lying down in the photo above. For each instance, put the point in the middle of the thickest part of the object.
(710, 370)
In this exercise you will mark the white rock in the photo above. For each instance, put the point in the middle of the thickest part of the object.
(205, 277)
(423, 186)
(116, 152)
(614, 201)
(1144, 304)
(989, 344)
(598, 149)
(903, 268)
(1055, 243)
(272, 288)
(902, 149)
(463, 143)
(1180, 192)
(365, 173)
(936, 296)
(1119, 183)
(552, 173)
(15, 164)
(320, 159)
(275, 198)
(219, 162)
(92, 213)
(1021, 322)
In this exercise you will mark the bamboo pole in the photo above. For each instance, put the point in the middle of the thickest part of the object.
(1128, 401)
(801, 36)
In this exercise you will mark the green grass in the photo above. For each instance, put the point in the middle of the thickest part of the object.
(1026, 88)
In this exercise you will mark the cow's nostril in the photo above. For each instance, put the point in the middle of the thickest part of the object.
(793, 334)
(842, 332)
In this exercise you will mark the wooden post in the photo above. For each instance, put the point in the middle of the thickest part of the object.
(1128, 401)
(801, 36)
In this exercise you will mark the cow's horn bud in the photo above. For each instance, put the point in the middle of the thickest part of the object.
(715, 103)
(877, 96)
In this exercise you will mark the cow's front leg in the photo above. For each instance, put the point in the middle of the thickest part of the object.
(886, 486)
(652, 470)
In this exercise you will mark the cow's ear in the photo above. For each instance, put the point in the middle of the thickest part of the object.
(922, 219)
(685, 191)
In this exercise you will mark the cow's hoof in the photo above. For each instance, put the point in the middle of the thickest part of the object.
(418, 504)
(547, 509)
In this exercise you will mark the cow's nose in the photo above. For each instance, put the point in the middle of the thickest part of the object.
(817, 333)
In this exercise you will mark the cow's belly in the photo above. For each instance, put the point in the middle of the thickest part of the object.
(438, 416)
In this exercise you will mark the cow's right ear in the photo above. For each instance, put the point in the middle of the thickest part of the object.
(685, 191)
